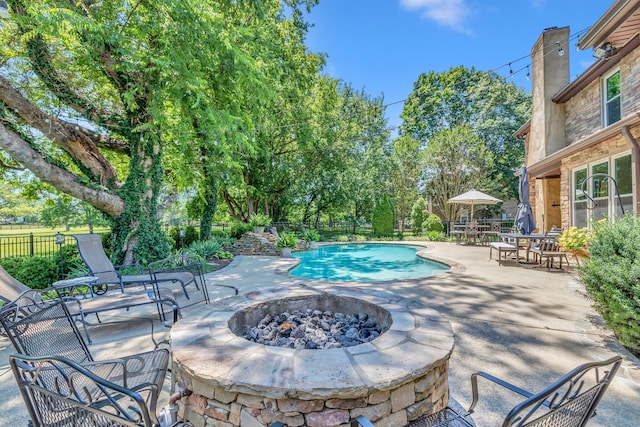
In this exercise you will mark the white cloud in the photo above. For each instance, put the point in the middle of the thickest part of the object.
(450, 13)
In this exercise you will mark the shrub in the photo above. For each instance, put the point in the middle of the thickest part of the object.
(612, 277)
(417, 216)
(436, 236)
(205, 249)
(35, 272)
(383, 217)
(432, 223)
(190, 235)
(238, 229)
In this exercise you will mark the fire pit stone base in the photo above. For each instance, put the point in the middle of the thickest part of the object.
(398, 377)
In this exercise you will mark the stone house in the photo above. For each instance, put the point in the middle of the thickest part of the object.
(582, 140)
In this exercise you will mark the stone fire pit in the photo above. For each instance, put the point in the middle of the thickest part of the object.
(393, 379)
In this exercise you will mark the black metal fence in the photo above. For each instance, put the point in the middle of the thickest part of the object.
(47, 246)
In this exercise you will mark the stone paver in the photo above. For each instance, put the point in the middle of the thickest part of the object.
(529, 326)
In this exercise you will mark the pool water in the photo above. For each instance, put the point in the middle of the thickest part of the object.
(365, 263)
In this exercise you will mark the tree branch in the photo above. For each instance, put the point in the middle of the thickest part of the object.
(76, 143)
(61, 179)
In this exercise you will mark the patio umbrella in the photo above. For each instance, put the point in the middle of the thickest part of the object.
(524, 216)
(474, 197)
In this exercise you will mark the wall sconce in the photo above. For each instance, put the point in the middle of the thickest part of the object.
(560, 49)
(4, 9)
(605, 51)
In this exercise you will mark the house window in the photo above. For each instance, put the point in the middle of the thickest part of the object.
(601, 199)
(612, 105)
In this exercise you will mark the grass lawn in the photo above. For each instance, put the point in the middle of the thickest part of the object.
(44, 231)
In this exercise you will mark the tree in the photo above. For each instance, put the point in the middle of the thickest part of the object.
(109, 101)
(408, 166)
(418, 214)
(481, 100)
(383, 216)
(458, 160)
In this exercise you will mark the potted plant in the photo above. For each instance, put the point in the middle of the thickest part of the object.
(287, 241)
(310, 237)
(575, 240)
(259, 221)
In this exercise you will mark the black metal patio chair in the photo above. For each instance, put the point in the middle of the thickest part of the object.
(44, 329)
(569, 402)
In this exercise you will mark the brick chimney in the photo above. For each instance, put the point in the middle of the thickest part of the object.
(550, 74)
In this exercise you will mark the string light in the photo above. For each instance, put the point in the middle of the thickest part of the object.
(510, 71)
(560, 49)
(528, 76)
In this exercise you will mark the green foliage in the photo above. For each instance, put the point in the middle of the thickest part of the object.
(238, 229)
(418, 211)
(432, 223)
(260, 220)
(436, 236)
(287, 240)
(465, 97)
(612, 277)
(404, 177)
(35, 272)
(383, 217)
(311, 236)
(574, 239)
(205, 249)
(190, 236)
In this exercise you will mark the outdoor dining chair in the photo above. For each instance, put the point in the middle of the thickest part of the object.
(548, 249)
(569, 402)
(63, 377)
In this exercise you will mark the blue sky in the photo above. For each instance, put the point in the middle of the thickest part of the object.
(382, 46)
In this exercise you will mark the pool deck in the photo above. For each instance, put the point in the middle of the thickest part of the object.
(526, 325)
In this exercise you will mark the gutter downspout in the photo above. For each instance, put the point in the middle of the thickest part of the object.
(635, 160)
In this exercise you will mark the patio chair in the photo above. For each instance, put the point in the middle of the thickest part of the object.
(569, 402)
(549, 248)
(10, 288)
(99, 265)
(59, 379)
(83, 300)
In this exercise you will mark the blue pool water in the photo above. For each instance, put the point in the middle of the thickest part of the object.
(364, 263)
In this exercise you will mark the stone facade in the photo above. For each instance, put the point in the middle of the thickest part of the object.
(586, 139)
(395, 407)
(256, 244)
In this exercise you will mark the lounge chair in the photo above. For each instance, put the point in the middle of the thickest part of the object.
(570, 402)
(99, 265)
(83, 300)
(61, 383)
(10, 288)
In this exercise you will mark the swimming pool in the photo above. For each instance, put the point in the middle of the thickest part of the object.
(365, 262)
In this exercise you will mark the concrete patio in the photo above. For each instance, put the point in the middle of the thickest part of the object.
(526, 325)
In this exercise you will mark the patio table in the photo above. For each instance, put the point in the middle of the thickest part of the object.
(521, 237)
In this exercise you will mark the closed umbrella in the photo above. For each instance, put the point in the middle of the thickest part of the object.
(474, 197)
(524, 215)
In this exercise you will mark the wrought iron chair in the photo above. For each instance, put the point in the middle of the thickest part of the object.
(570, 402)
(40, 328)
